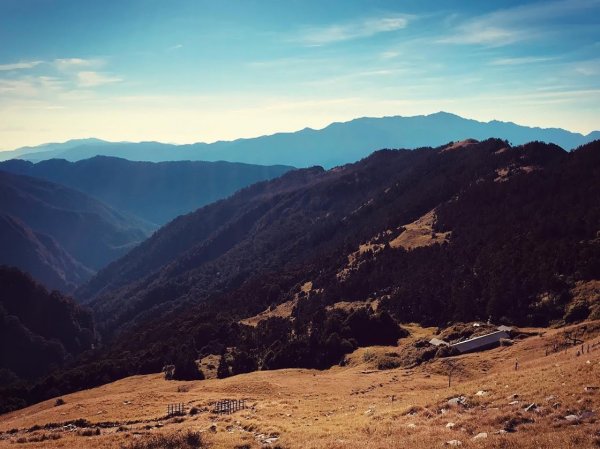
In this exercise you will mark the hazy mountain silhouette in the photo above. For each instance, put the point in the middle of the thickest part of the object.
(156, 192)
(53, 219)
(49, 147)
(39, 255)
(337, 144)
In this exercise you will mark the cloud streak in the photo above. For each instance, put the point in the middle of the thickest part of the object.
(519, 61)
(66, 64)
(517, 24)
(19, 65)
(316, 36)
(94, 79)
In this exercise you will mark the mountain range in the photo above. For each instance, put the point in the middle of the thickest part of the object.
(498, 227)
(300, 270)
(336, 144)
(60, 235)
(154, 192)
(40, 255)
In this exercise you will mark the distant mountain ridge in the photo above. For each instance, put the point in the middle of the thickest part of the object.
(155, 192)
(39, 255)
(336, 144)
(59, 234)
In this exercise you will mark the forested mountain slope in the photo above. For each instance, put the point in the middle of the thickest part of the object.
(39, 330)
(92, 233)
(518, 221)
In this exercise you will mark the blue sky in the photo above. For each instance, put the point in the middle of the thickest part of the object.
(193, 70)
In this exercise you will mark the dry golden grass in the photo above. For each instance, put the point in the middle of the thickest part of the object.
(507, 172)
(350, 406)
(420, 233)
(283, 310)
(417, 234)
(460, 144)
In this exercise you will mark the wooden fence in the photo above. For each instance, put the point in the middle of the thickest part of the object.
(175, 409)
(228, 406)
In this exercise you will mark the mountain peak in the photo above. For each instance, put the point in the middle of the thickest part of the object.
(336, 144)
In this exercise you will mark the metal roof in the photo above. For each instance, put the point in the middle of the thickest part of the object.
(473, 344)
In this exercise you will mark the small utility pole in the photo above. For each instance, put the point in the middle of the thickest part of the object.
(451, 366)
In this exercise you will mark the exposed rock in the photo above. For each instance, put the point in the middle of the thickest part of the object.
(531, 407)
(460, 400)
(454, 443)
(450, 425)
(481, 393)
(480, 436)
(572, 418)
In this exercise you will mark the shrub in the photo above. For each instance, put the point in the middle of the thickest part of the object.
(388, 363)
(59, 401)
(189, 440)
(223, 368)
(368, 356)
(88, 432)
(578, 311)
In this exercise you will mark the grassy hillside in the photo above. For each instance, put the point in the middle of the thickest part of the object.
(346, 407)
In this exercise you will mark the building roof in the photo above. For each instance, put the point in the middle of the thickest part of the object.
(474, 344)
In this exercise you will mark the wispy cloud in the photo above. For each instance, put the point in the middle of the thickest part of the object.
(20, 65)
(508, 26)
(390, 54)
(587, 68)
(348, 31)
(94, 79)
(30, 86)
(77, 63)
(519, 61)
(175, 47)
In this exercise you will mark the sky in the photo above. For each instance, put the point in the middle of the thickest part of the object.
(183, 71)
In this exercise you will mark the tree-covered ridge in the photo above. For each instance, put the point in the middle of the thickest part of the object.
(40, 330)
